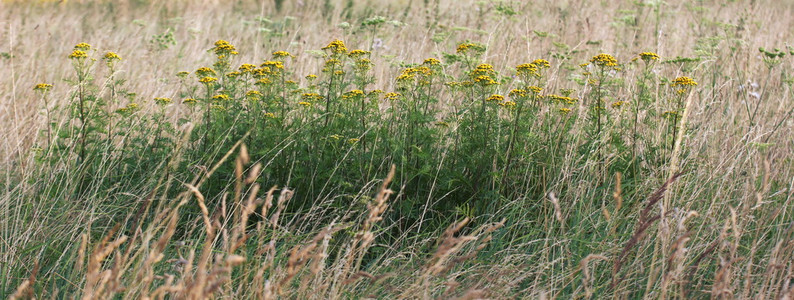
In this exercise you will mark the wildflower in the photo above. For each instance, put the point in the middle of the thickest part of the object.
(564, 111)
(253, 94)
(233, 74)
(485, 80)
(517, 93)
(208, 80)
(111, 56)
(44, 87)
(618, 104)
(391, 96)
(405, 77)
(466, 47)
(541, 63)
(535, 89)
(311, 77)
(335, 136)
(204, 72)
(353, 140)
(507, 104)
(604, 60)
(375, 92)
(311, 97)
(221, 97)
(223, 48)
(162, 101)
(685, 81)
(82, 46)
(336, 47)
(246, 68)
(189, 101)
(339, 72)
(270, 115)
(648, 56)
(282, 54)
(263, 81)
(527, 70)
(182, 74)
(495, 98)
(290, 82)
(305, 104)
(431, 62)
(669, 114)
(358, 53)
(273, 64)
(78, 54)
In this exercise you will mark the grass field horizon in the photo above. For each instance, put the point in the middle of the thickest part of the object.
(396, 149)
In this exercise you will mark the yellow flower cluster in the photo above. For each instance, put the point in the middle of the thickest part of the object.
(253, 94)
(162, 101)
(130, 108)
(110, 56)
(564, 111)
(78, 54)
(305, 104)
(527, 70)
(336, 47)
(309, 97)
(685, 81)
(42, 87)
(189, 101)
(604, 60)
(495, 98)
(282, 54)
(182, 74)
(618, 104)
(82, 46)
(431, 62)
(273, 65)
(516, 93)
(353, 94)
(562, 99)
(358, 53)
(221, 97)
(648, 56)
(223, 48)
(208, 80)
(541, 63)
(246, 68)
(391, 96)
(485, 80)
(466, 47)
(204, 72)
(311, 77)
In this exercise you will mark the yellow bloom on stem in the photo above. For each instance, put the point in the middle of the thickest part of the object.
(77, 54)
(604, 60)
(42, 87)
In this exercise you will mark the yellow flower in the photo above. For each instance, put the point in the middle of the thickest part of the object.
(221, 97)
(82, 46)
(208, 79)
(110, 56)
(685, 81)
(391, 96)
(495, 98)
(535, 89)
(305, 104)
(336, 47)
(281, 54)
(253, 94)
(189, 101)
(204, 72)
(618, 104)
(604, 60)
(466, 47)
(485, 80)
(182, 74)
(311, 77)
(517, 93)
(223, 48)
(44, 87)
(541, 63)
(352, 141)
(565, 111)
(78, 54)
(270, 115)
(648, 56)
(358, 53)
(233, 74)
(246, 68)
(527, 70)
(311, 97)
(335, 136)
(431, 61)
(263, 81)
(273, 64)
(162, 101)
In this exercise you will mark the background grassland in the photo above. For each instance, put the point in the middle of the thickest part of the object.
(564, 224)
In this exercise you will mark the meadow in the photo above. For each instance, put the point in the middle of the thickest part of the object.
(400, 149)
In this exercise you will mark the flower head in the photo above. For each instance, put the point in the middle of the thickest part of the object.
(684, 81)
(431, 62)
(204, 72)
(162, 101)
(495, 98)
(189, 101)
(44, 87)
(208, 80)
(223, 49)
(82, 46)
(78, 54)
(604, 60)
(282, 54)
(336, 47)
(111, 56)
(648, 56)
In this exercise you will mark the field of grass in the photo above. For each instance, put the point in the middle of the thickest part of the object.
(327, 149)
